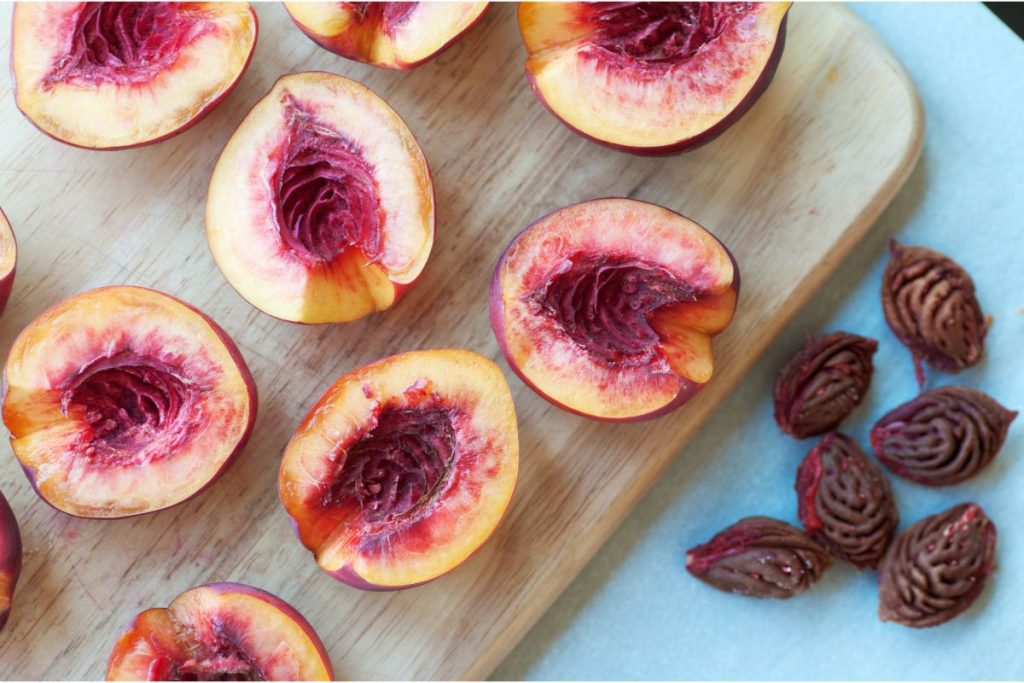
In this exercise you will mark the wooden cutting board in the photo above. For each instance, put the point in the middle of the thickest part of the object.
(790, 188)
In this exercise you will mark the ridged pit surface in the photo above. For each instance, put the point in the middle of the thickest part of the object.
(125, 43)
(399, 464)
(604, 304)
(326, 192)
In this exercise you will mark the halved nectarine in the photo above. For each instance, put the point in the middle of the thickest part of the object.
(123, 400)
(8, 260)
(394, 35)
(607, 308)
(10, 559)
(321, 207)
(220, 632)
(110, 75)
(651, 77)
(403, 468)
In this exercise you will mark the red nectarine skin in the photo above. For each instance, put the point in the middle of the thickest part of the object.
(121, 62)
(403, 468)
(651, 78)
(607, 308)
(392, 35)
(123, 400)
(321, 207)
(10, 559)
(220, 631)
(8, 260)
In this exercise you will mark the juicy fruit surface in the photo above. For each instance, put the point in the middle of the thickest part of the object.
(823, 383)
(321, 207)
(123, 400)
(138, 71)
(937, 568)
(220, 632)
(10, 559)
(607, 308)
(650, 75)
(930, 304)
(759, 557)
(395, 35)
(403, 468)
(846, 503)
(944, 436)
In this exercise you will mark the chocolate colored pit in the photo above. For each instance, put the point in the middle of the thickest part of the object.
(400, 463)
(125, 43)
(326, 193)
(604, 304)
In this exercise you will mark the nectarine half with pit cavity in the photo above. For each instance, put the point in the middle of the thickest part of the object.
(10, 559)
(110, 75)
(651, 77)
(220, 632)
(124, 400)
(403, 468)
(8, 260)
(321, 207)
(393, 35)
(607, 308)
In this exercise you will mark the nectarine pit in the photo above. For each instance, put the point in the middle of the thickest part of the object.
(327, 195)
(128, 399)
(399, 463)
(126, 43)
(605, 303)
(660, 34)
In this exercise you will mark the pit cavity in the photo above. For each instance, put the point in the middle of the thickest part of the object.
(129, 402)
(126, 43)
(389, 15)
(605, 303)
(326, 194)
(661, 33)
(223, 661)
(396, 468)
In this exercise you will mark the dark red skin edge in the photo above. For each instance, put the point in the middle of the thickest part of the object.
(497, 313)
(347, 576)
(402, 66)
(760, 85)
(247, 377)
(400, 289)
(210, 106)
(7, 281)
(10, 547)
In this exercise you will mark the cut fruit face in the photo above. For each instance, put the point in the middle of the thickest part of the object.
(393, 35)
(10, 559)
(607, 308)
(321, 207)
(220, 632)
(109, 75)
(123, 400)
(8, 260)
(403, 468)
(651, 77)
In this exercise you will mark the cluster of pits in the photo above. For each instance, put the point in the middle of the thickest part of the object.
(125, 43)
(398, 466)
(326, 193)
(604, 304)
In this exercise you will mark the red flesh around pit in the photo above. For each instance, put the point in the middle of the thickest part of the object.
(607, 308)
(123, 400)
(220, 631)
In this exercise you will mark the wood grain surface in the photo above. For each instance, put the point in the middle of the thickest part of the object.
(790, 189)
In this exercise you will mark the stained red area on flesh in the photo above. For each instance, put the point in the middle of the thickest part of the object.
(125, 43)
(604, 304)
(808, 479)
(660, 34)
(326, 192)
(217, 655)
(388, 15)
(128, 401)
(399, 464)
